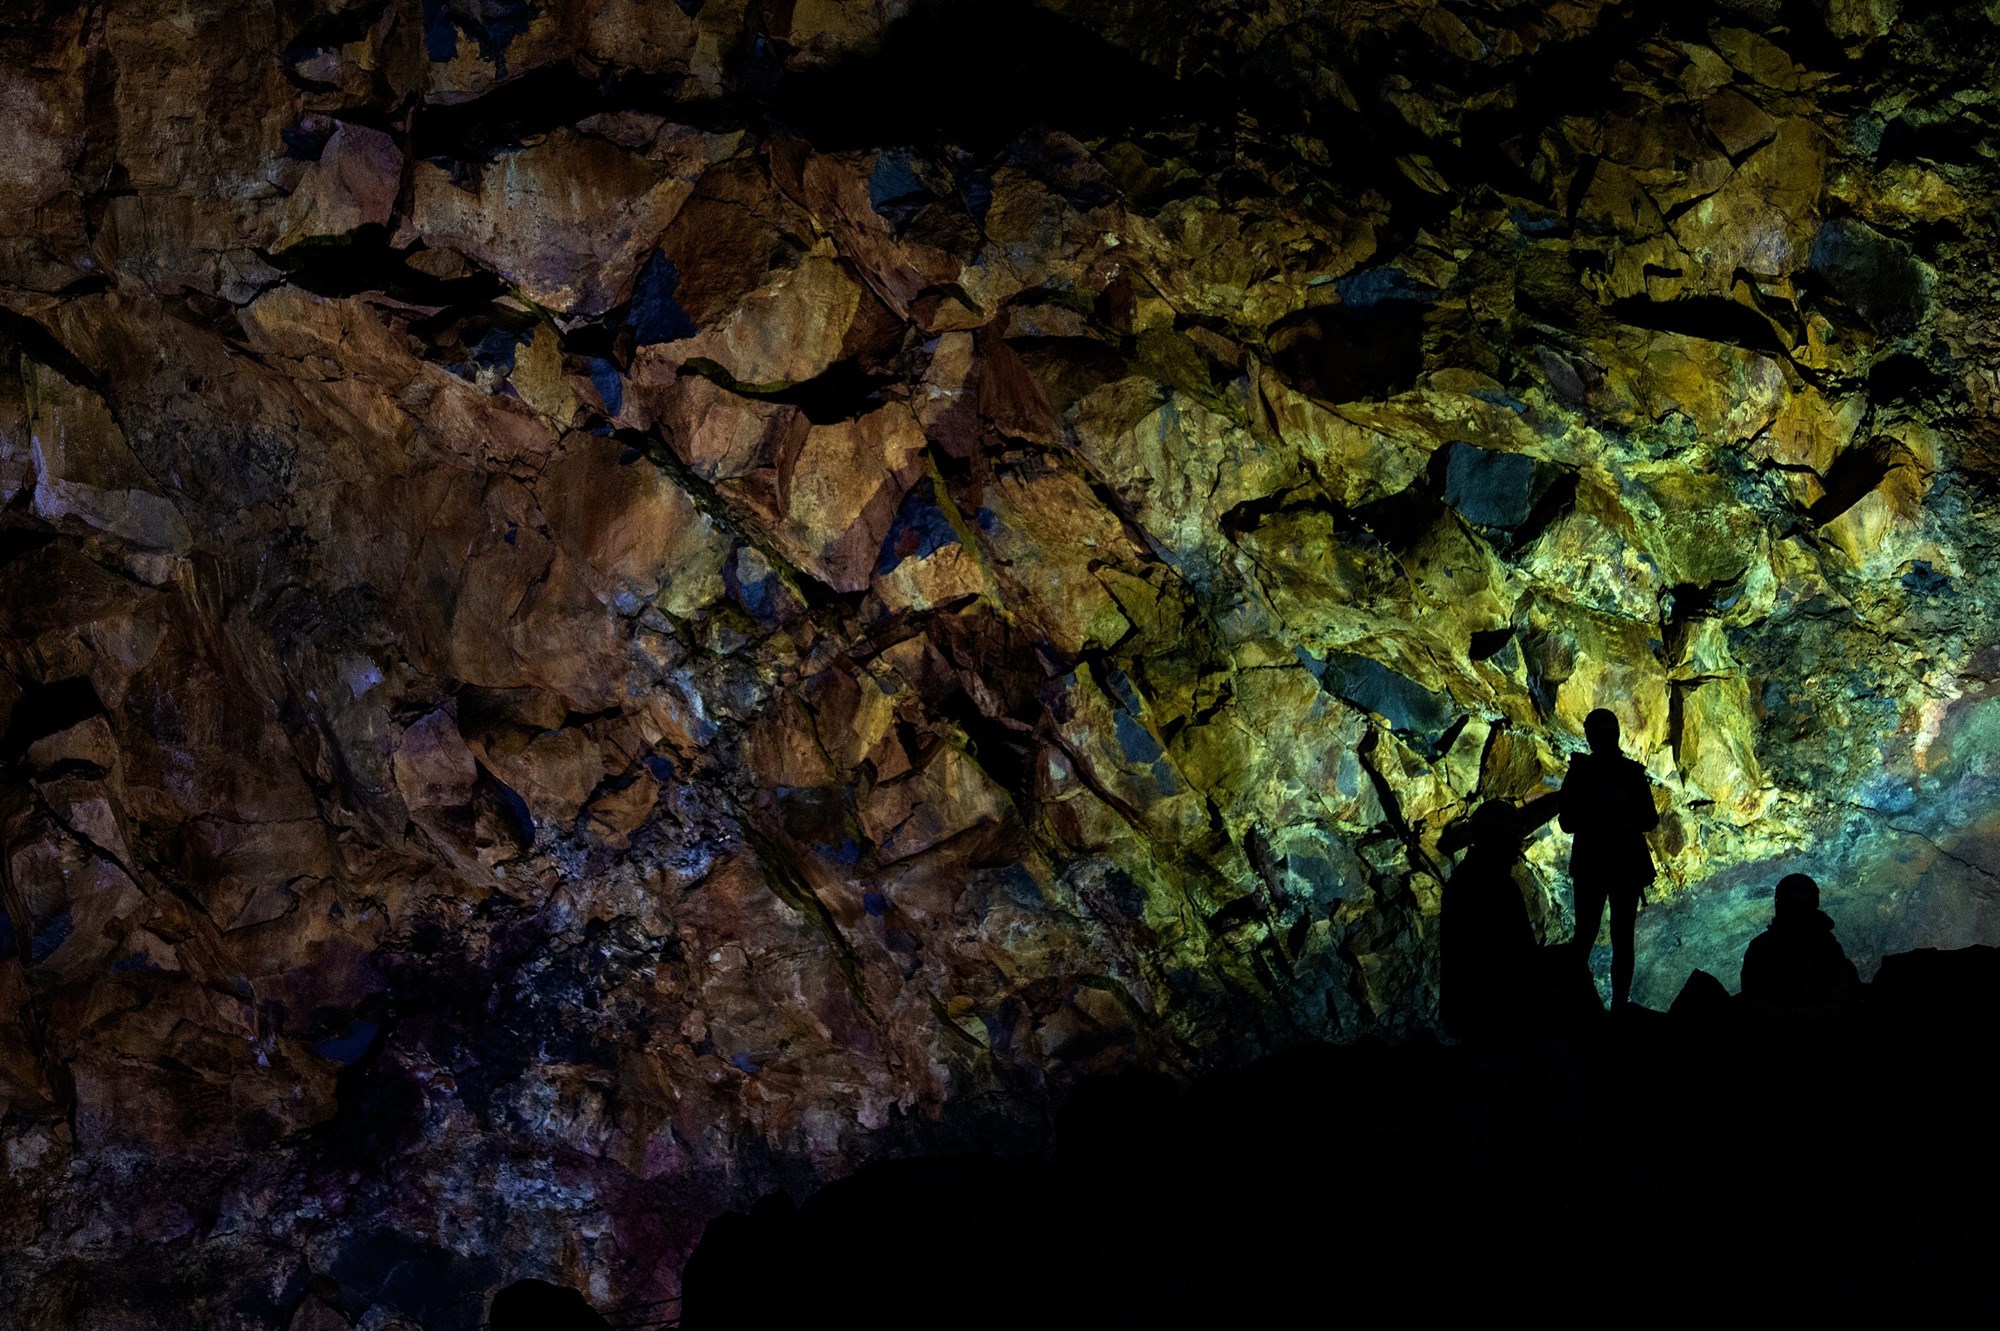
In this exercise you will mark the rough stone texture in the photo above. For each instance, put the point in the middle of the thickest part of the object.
(605, 607)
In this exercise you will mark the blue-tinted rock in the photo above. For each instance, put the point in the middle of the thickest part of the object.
(1880, 276)
(655, 316)
(1490, 488)
(1411, 710)
(350, 1045)
(50, 936)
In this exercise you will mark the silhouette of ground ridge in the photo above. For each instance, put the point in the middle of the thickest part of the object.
(1705, 1166)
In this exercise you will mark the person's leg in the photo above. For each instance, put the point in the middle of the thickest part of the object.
(1624, 911)
(1589, 911)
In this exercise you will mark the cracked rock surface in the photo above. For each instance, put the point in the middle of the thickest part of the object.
(606, 607)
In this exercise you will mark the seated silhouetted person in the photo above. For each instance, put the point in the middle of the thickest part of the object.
(1486, 948)
(1607, 806)
(1796, 967)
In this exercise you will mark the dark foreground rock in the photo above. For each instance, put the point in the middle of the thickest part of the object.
(1705, 1168)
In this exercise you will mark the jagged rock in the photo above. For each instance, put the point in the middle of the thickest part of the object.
(1715, 747)
(353, 184)
(1049, 543)
(1491, 488)
(1878, 275)
(841, 490)
(568, 219)
(785, 332)
(42, 109)
(639, 535)
(85, 474)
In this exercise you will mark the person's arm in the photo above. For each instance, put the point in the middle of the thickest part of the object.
(1539, 810)
(1642, 800)
(1751, 982)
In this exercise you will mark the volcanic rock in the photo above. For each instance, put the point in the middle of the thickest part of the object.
(610, 608)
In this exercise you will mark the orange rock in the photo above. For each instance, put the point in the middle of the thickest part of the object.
(840, 491)
(568, 219)
(352, 185)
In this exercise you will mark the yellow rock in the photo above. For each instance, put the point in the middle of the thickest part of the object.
(538, 377)
(1881, 529)
(1700, 649)
(835, 26)
(1310, 576)
(951, 573)
(1045, 535)
(1581, 556)
(952, 794)
(1716, 751)
(1282, 751)
(1118, 749)
(1518, 765)
(1588, 660)
(1179, 463)
(1726, 392)
(1698, 531)
(852, 714)
(1809, 430)
(1458, 577)
(1361, 451)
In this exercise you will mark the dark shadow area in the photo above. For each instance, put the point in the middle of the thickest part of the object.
(1712, 318)
(537, 1305)
(1905, 378)
(1486, 643)
(1852, 476)
(1352, 354)
(47, 709)
(1012, 65)
(1950, 140)
(1796, 967)
(432, 1283)
(1712, 1165)
(1607, 808)
(363, 262)
(844, 391)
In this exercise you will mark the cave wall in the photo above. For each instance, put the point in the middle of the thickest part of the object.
(609, 606)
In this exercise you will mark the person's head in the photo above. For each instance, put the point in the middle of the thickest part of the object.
(1496, 823)
(1601, 729)
(1798, 896)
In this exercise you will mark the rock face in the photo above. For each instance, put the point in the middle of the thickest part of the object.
(605, 607)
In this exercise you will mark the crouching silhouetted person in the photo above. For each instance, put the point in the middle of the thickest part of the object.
(1797, 967)
(1486, 948)
(1607, 806)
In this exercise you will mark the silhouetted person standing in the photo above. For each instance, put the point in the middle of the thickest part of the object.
(1486, 948)
(1607, 806)
(1797, 966)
